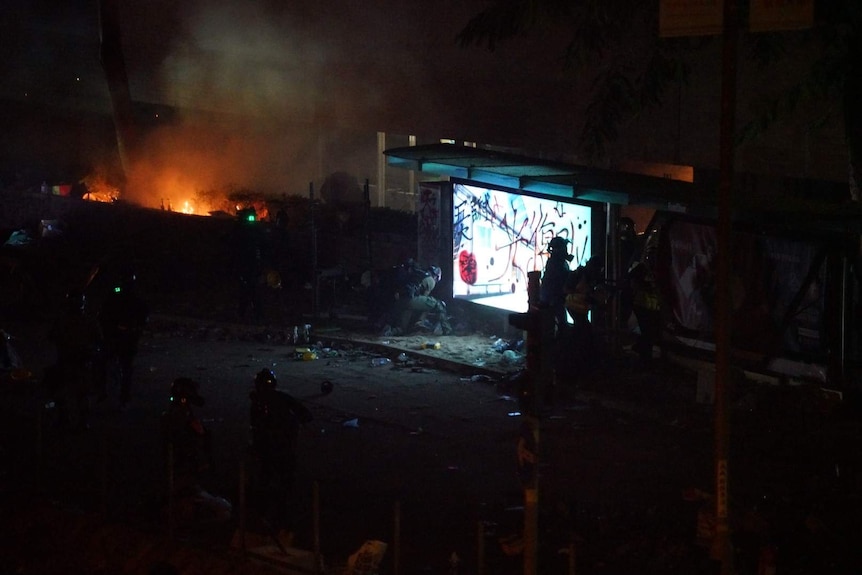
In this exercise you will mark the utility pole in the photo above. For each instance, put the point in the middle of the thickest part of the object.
(721, 549)
(534, 322)
(316, 295)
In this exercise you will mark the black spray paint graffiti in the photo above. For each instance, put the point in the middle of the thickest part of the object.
(514, 228)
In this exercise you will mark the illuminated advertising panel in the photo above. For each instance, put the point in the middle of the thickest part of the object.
(499, 236)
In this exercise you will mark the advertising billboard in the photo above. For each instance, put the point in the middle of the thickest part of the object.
(499, 236)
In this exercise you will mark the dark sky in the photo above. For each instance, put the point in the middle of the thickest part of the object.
(389, 65)
(252, 80)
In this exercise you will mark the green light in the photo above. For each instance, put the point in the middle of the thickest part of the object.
(250, 217)
(118, 289)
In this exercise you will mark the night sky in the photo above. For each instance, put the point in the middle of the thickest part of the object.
(387, 65)
(249, 84)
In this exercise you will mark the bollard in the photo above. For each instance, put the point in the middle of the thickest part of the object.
(480, 548)
(104, 477)
(396, 539)
(315, 494)
(242, 504)
(170, 490)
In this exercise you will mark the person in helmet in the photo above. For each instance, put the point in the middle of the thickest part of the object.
(416, 307)
(123, 317)
(275, 418)
(78, 340)
(583, 295)
(552, 293)
(185, 440)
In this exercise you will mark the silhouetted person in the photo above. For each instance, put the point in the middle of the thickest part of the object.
(123, 316)
(77, 338)
(275, 417)
(581, 299)
(248, 246)
(185, 440)
(553, 289)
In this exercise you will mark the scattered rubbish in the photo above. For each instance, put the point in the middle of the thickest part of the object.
(481, 377)
(326, 387)
(351, 422)
(367, 559)
(380, 361)
(510, 356)
(304, 354)
(501, 345)
(402, 358)
(430, 345)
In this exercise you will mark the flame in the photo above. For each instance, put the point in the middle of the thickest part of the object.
(98, 188)
(171, 189)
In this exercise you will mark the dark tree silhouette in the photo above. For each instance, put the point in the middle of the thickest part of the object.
(616, 44)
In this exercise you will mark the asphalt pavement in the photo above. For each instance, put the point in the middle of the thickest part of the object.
(421, 454)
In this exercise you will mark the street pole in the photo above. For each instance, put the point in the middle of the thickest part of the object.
(316, 295)
(528, 445)
(721, 549)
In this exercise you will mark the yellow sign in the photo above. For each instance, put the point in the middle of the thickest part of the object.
(690, 17)
(770, 15)
(668, 171)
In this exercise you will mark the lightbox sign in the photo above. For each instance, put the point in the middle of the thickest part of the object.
(499, 236)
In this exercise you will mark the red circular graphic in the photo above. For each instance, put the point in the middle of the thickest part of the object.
(467, 267)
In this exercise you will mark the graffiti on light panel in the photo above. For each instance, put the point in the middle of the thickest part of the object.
(498, 237)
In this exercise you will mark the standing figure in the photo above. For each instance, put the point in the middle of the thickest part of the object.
(185, 441)
(187, 449)
(581, 299)
(78, 339)
(647, 309)
(553, 289)
(123, 316)
(275, 418)
(247, 244)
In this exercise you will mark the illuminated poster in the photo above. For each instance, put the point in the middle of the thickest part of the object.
(776, 289)
(499, 236)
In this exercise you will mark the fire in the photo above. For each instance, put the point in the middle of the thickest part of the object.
(173, 191)
(99, 190)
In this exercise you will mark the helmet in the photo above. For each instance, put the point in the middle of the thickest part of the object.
(558, 243)
(436, 272)
(265, 379)
(185, 390)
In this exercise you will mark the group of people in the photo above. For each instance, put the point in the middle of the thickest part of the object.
(572, 295)
(275, 418)
(95, 349)
(568, 293)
